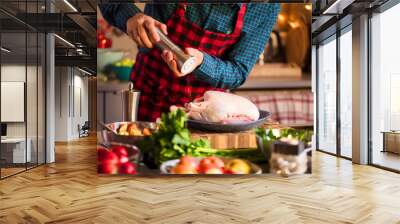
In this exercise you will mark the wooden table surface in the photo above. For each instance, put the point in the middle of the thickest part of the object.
(70, 191)
(238, 140)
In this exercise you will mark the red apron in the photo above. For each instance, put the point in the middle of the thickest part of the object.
(158, 85)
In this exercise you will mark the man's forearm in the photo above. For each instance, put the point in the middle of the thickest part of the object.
(221, 73)
(118, 14)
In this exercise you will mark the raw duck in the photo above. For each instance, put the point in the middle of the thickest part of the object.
(221, 107)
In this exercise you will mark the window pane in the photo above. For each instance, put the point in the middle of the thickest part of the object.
(386, 88)
(31, 97)
(327, 97)
(15, 150)
(346, 94)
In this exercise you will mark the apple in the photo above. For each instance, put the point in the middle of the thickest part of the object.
(107, 168)
(188, 161)
(238, 166)
(210, 162)
(101, 152)
(108, 157)
(183, 169)
(123, 159)
(127, 168)
(121, 152)
(214, 170)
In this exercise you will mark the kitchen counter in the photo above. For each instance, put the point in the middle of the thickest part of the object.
(277, 76)
(266, 83)
(252, 83)
(244, 143)
(112, 86)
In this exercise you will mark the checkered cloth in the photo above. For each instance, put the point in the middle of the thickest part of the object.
(287, 107)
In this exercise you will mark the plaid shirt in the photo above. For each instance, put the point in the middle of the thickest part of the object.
(231, 71)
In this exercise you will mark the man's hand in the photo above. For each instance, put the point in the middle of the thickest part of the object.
(168, 57)
(142, 29)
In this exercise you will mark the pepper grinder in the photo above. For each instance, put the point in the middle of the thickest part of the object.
(130, 101)
(186, 63)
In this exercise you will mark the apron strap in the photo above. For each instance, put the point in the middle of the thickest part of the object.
(240, 19)
(181, 9)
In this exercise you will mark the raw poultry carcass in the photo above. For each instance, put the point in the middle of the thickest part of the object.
(221, 107)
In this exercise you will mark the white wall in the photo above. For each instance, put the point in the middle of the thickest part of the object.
(61, 103)
(80, 94)
(71, 92)
(16, 73)
(34, 125)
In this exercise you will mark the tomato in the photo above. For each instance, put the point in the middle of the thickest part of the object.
(214, 170)
(101, 153)
(121, 152)
(107, 168)
(210, 162)
(106, 156)
(127, 168)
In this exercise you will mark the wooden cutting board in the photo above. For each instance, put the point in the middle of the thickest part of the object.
(238, 140)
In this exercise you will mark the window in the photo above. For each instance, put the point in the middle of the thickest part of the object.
(22, 78)
(327, 97)
(385, 89)
(346, 94)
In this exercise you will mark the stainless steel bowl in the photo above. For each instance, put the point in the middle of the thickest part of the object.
(108, 136)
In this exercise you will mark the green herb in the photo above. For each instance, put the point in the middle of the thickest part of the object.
(173, 140)
(271, 135)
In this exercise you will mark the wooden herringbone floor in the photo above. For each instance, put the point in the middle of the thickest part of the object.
(70, 191)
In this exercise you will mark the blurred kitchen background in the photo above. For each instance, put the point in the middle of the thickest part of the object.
(280, 81)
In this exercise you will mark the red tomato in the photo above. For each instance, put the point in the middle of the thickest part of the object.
(214, 170)
(108, 157)
(101, 153)
(210, 162)
(127, 168)
(107, 168)
(121, 152)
